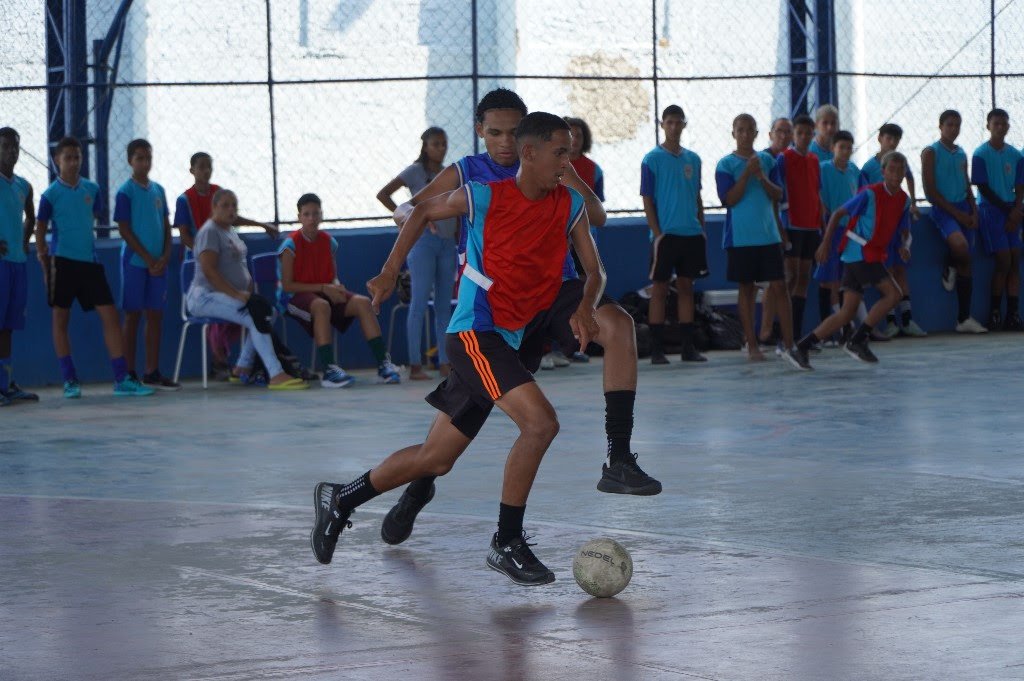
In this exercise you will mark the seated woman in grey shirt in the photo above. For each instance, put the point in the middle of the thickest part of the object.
(222, 286)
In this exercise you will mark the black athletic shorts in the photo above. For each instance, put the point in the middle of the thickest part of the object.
(746, 264)
(553, 325)
(803, 243)
(75, 279)
(484, 367)
(686, 255)
(858, 276)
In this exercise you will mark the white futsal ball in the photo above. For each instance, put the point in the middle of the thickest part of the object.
(602, 567)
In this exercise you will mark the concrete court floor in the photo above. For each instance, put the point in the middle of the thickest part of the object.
(852, 523)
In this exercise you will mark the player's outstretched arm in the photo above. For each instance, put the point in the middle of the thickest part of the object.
(583, 321)
(450, 205)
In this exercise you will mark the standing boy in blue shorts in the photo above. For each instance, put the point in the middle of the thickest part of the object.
(839, 183)
(17, 211)
(71, 204)
(889, 136)
(670, 187)
(752, 238)
(998, 170)
(878, 214)
(954, 212)
(506, 283)
(798, 171)
(141, 214)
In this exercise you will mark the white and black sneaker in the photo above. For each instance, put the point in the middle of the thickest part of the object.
(798, 358)
(330, 521)
(860, 351)
(516, 561)
(397, 525)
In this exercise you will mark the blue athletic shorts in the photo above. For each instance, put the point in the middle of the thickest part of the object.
(947, 226)
(992, 225)
(832, 270)
(13, 295)
(140, 290)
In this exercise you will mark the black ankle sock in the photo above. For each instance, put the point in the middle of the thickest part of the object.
(995, 302)
(824, 303)
(618, 423)
(964, 286)
(905, 313)
(799, 302)
(510, 523)
(357, 492)
(862, 333)
(807, 341)
(1012, 305)
(420, 489)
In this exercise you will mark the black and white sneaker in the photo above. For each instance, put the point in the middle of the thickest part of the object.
(330, 521)
(626, 477)
(798, 358)
(859, 350)
(516, 561)
(397, 525)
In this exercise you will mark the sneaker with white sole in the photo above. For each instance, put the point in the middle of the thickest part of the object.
(547, 362)
(913, 330)
(798, 359)
(130, 387)
(336, 377)
(860, 351)
(560, 360)
(516, 561)
(970, 325)
(388, 372)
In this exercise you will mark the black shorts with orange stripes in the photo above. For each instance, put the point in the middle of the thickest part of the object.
(484, 367)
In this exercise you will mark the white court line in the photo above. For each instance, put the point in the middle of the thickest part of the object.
(697, 542)
(188, 571)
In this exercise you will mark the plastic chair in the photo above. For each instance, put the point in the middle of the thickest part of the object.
(264, 275)
(188, 272)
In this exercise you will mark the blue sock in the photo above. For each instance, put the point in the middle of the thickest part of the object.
(67, 369)
(120, 367)
(5, 374)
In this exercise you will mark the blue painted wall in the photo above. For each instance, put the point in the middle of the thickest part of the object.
(623, 246)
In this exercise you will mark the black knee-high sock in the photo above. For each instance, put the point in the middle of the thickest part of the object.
(657, 335)
(964, 286)
(799, 302)
(420, 489)
(824, 303)
(995, 302)
(510, 523)
(618, 423)
(1012, 305)
(357, 492)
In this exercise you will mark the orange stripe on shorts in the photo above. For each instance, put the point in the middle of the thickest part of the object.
(483, 367)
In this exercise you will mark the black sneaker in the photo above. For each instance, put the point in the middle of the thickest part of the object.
(859, 350)
(658, 357)
(995, 321)
(516, 561)
(1013, 323)
(691, 354)
(160, 382)
(330, 521)
(397, 525)
(798, 358)
(626, 477)
(16, 394)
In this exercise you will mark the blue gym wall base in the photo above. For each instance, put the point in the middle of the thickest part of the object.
(623, 246)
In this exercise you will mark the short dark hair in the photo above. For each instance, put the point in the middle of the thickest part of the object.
(588, 138)
(67, 143)
(947, 114)
(744, 117)
(137, 144)
(842, 136)
(198, 156)
(308, 198)
(891, 129)
(539, 124)
(499, 98)
(803, 119)
(673, 110)
(11, 134)
(996, 112)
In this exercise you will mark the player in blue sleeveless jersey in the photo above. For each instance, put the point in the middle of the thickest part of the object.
(17, 215)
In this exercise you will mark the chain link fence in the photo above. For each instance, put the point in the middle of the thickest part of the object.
(331, 96)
